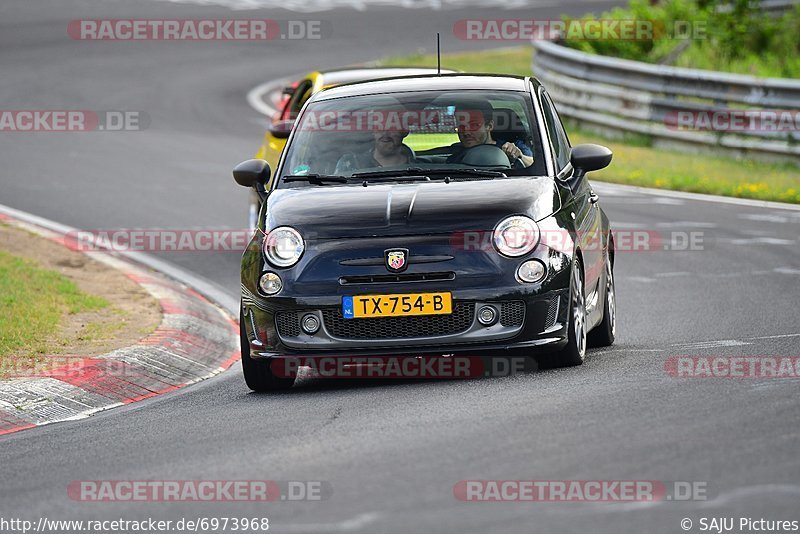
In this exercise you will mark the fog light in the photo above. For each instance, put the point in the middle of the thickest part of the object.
(487, 315)
(310, 323)
(531, 271)
(270, 283)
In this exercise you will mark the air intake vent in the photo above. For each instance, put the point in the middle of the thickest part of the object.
(552, 313)
(288, 324)
(512, 313)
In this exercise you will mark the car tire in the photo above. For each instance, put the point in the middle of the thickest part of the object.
(258, 373)
(574, 352)
(603, 334)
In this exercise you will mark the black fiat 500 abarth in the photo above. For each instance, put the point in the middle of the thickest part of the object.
(426, 215)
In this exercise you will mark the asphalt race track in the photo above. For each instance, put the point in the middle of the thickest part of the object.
(392, 451)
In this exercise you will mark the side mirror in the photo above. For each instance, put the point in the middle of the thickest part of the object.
(585, 158)
(252, 173)
(281, 129)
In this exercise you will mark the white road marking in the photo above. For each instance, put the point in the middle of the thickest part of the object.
(776, 336)
(614, 351)
(686, 224)
(695, 345)
(747, 494)
(786, 270)
(780, 270)
(622, 199)
(755, 232)
(42, 400)
(772, 384)
(758, 241)
(354, 524)
(711, 344)
(616, 225)
(699, 196)
(772, 218)
(255, 97)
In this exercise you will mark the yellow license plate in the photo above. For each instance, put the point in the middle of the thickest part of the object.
(395, 305)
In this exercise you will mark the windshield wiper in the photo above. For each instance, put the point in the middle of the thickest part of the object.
(381, 179)
(419, 172)
(414, 171)
(316, 179)
(472, 172)
(411, 174)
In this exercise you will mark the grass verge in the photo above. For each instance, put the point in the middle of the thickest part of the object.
(715, 175)
(516, 60)
(33, 301)
(635, 163)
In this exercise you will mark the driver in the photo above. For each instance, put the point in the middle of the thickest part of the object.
(475, 125)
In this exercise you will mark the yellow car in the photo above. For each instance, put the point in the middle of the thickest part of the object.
(295, 96)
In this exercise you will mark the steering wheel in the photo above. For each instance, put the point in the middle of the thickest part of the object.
(518, 164)
(486, 156)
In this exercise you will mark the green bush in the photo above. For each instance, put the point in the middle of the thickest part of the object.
(732, 37)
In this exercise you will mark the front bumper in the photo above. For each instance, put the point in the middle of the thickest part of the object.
(531, 315)
(534, 322)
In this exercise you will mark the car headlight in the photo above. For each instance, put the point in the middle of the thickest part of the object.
(516, 236)
(283, 246)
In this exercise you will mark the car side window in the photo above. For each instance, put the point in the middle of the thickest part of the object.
(558, 135)
(299, 97)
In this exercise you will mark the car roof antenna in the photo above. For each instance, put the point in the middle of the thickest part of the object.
(438, 56)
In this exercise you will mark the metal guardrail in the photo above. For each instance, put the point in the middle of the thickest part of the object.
(777, 7)
(618, 96)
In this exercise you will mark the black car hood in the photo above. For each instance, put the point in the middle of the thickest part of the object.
(393, 209)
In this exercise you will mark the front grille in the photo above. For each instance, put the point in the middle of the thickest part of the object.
(400, 327)
(512, 313)
(392, 278)
(288, 324)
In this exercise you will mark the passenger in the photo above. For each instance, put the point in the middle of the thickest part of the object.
(387, 150)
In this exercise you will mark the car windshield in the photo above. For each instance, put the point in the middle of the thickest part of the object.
(430, 134)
